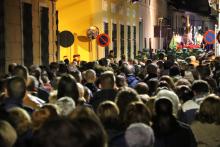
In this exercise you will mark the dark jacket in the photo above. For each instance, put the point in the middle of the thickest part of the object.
(103, 95)
(171, 133)
(92, 87)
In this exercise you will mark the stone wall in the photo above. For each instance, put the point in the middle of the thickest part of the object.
(14, 30)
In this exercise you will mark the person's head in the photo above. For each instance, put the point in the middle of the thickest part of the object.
(35, 71)
(161, 56)
(153, 85)
(121, 81)
(174, 71)
(137, 112)
(170, 95)
(139, 135)
(66, 105)
(43, 114)
(142, 88)
(169, 81)
(21, 71)
(182, 81)
(32, 83)
(111, 52)
(87, 94)
(90, 76)
(83, 112)
(184, 93)
(54, 67)
(108, 113)
(107, 80)
(127, 69)
(81, 90)
(204, 70)
(67, 86)
(209, 110)
(16, 88)
(163, 107)
(163, 85)
(61, 132)
(77, 75)
(152, 68)
(167, 64)
(200, 87)
(8, 134)
(124, 98)
(11, 68)
(21, 119)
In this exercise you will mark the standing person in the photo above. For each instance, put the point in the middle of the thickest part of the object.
(111, 54)
(206, 128)
(200, 89)
(90, 78)
(107, 92)
(168, 131)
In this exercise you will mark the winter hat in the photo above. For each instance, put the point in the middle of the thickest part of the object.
(139, 135)
(66, 105)
(170, 95)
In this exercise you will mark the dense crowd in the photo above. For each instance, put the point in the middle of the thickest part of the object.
(158, 102)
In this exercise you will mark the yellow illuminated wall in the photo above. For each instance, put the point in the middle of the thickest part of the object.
(77, 16)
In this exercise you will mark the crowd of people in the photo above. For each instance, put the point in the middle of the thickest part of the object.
(158, 102)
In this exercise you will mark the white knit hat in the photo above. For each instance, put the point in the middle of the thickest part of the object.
(170, 95)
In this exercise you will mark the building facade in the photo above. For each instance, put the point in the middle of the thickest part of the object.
(130, 26)
(27, 32)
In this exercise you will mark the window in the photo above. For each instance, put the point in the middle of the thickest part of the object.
(27, 34)
(134, 41)
(106, 32)
(114, 39)
(122, 41)
(129, 42)
(44, 35)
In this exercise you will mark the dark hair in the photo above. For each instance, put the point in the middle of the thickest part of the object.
(21, 71)
(183, 81)
(107, 80)
(184, 93)
(142, 88)
(57, 132)
(200, 86)
(32, 83)
(174, 70)
(11, 68)
(124, 98)
(67, 87)
(209, 110)
(163, 107)
(90, 127)
(108, 113)
(137, 112)
(152, 68)
(169, 81)
(89, 133)
(163, 84)
(77, 75)
(16, 88)
(121, 81)
(153, 84)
